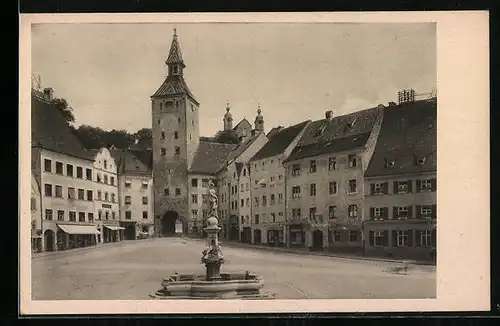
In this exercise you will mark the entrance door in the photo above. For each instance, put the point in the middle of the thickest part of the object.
(49, 240)
(318, 240)
(256, 237)
(168, 223)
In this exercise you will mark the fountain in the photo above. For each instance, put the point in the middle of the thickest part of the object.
(213, 284)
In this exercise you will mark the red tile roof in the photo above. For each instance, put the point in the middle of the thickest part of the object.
(408, 134)
(210, 157)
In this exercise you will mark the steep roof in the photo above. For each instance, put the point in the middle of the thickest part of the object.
(273, 131)
(210, 156)
(408, 134)
(241, 122)
(51, 131)
(133, 162)
(280, 141)
(342, 133)
(174, 85)
(242, 147)
(175, 54)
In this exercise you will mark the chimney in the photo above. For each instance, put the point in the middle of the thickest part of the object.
(329, 115)
(49, 92)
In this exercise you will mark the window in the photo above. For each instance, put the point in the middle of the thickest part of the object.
(91, 217)
(247, 202)
(353, 211)
(379, 188)
(106, 215)
(144, 214)
(47, 165)
(59, 191)
(113, 215)
(204, 183)
(244, 172)
(295, 169)
(257, 219)
(177, 191)
(81, 216)
(194, 199)
(128, 200)
(353, 236)
(426, 184)
(48, 190)
(144, 185)
(204, 198)
(112, 181)
(332, 212)
(105, 164)
(98, 177)
(158, 121)
(81, 194)
(88, 172)
(105, 179)
(296, 212)
(33, 203)
(426, 211)
(425, 238)
(242, 187)
(402, 212)
(312, 166)
(113, 198)
(378, 239)
(377, 212)
(402, 238)
(352, 186)
(99, 215)
(402, 187)
(177, 150)
(72, 216)
(194, 183)
(163, 135)
(79, 172)
(59, 168)
(273, 216)
(163, 151)
(194, 212)
(128, 215)
(332, 164)
(69, 170)
(176, 135)
(273, 200)
(144, 200)
(60, 215)
(280, 198)
(161, 105)
(71, 193)
(90, 195)
(296, 192)
(242, 203)
(264, 200)
(312, 213)
(336, 236)
(205, 213)
(166, 192)
(256, 200)
(272, 179)
(106, 196)
(313, 189)
(332, 188)
(352, 161)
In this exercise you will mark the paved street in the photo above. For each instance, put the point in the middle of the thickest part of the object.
(130, 270)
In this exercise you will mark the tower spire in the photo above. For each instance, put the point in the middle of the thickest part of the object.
(174, 60)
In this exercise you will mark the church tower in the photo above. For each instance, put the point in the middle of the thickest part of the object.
(259, 121)
(175, 131)
(228, 118)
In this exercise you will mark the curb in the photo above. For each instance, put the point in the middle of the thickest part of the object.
(303, 252)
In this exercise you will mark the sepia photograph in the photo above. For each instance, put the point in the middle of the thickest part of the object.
(219, 161)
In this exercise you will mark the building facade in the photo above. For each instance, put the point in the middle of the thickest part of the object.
(36, 216)
(268, 187)
(400, 184)
(325, 181)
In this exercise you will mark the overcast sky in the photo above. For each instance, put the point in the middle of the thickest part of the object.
(108, 72)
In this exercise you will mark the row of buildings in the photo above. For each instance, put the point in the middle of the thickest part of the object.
(361, 182)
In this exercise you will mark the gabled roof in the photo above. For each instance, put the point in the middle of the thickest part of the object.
(130, 162)
(342, 133)
(408, 134)
(273, 131)
(174, 85)
(242, 147)
(242, 121)
(281, 140)
(209, 157)
(239, 167)
(50, 131)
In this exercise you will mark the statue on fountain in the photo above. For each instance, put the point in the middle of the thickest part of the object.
(212, 255)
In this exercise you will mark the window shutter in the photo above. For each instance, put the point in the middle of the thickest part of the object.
(385, 188)
(372, 212)
(410, 238)
(418, 211)
(418, 238)
(394, 238)
(395, 187)
(386, 238)
(371, 238)
(372, 188)
(410, 211)
(433, 238)
(433, 184)
(434, 211)
(410, 184)
(394, 212)
(418, 185)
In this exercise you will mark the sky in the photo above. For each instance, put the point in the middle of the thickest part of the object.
(295, 72)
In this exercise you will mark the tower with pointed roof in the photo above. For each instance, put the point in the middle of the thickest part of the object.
(259, 121)
(175, 129)
(228, 118)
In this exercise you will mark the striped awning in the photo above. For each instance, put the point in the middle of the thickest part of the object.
(79, 229)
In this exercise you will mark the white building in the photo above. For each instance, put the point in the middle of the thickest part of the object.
(36, 216)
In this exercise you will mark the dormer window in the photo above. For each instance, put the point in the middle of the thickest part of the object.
(390, 163)
(421, 161)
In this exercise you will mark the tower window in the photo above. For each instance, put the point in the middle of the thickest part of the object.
(179, 120)
(158, 121)
(176, 135)
(189, 136)
(177, 150)
(161, 106)
(163, 135)
(163, 151)
(175, 69)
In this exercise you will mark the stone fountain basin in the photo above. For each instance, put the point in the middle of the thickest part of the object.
(230, 285)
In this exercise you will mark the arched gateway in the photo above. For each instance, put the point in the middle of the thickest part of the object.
(168, 223)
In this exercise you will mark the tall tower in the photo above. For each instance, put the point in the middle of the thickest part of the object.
(175, 129)
(228, 118)
(259, 121)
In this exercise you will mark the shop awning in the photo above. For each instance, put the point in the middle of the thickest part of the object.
(114, 228)
(79, 229)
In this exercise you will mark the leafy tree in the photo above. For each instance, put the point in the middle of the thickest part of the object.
(65, 109)
(91, 137)
(144, 137)
(227, 137)
(119, 138)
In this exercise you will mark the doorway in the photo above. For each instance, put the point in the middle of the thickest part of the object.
(257, 237)
(168, 223)
(317, 240)
(49, 240)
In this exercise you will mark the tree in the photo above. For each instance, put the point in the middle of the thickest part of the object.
(119, 138)
(144, 138)
(91, 137)
(65, 109)
(227, 137)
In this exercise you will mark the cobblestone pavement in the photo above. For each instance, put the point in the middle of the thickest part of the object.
(130, 270)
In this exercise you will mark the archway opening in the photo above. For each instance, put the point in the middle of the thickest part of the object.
(168, 223)
(49, 237)
(257, 237)
(317, 240)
